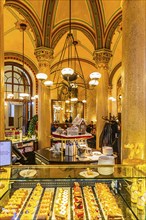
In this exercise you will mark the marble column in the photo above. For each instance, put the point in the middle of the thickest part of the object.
(101, 58)
(44, 56)
(2, 110)
(134, 79)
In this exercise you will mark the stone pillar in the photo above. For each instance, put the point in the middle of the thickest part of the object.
(44, 56)
(2, 109)
(101, 58)
(134, 79)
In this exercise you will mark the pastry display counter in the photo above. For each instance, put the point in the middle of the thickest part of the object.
(73, 192)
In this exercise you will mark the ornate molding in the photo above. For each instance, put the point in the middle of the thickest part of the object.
(122, 3)
(102, 58)
(44, 56)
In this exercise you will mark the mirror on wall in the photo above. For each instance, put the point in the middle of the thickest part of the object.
(17, 114)
(63, 111)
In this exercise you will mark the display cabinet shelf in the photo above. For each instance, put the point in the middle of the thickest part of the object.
(62, 179)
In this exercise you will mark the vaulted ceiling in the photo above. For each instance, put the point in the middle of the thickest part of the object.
(96, 24)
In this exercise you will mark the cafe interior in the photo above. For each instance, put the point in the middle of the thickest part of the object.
(67, 60)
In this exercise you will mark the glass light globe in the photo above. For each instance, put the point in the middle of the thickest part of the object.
(84, 101)
(67, 71)
(93, 82)
(48, 83)
(95, 75)
(10, 96)
(74, 99)
(24, 95)
(41, 76)
(36, 96)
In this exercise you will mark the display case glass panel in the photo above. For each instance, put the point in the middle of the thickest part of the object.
(73, 192)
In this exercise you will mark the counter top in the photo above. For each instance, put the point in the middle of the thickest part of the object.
(49, 157)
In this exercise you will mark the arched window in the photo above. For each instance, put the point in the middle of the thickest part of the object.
(18, 110)
(17, 81)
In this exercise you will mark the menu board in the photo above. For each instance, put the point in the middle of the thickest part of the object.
(5, 153)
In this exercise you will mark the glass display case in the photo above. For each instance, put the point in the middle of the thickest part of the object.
(72, 192)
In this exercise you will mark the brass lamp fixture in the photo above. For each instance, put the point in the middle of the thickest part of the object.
(69, 72)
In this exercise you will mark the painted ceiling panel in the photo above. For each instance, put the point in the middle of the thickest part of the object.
(110, 7)
(12, 17)
(79, 11)
(80, 14)
(36, 6)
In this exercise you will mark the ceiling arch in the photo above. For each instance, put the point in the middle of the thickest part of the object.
(98, 23)
(31, 18)
(59, 32)
(111, 29)
(18, 57)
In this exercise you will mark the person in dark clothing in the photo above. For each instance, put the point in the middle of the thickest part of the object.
(92, 141)
(54, 127)
(70, 119)
(89, 127)
(110, 135)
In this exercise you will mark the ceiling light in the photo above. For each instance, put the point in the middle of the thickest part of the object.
(41, 76)
(74, 99)
(95, 75)
(67, 71)
(112, 99)
(36, 96)
(48, 83)
(10, 96)
(24, 95)
(84, 101)
(93, 82)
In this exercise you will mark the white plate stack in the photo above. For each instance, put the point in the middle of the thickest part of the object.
(108, 165)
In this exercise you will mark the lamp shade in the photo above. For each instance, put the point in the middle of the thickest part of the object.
(67, 71)
(95, 75)
(93, 82)
(23, 95)
(10, 96)
(41, 76)
(74, 99)
(48, 83)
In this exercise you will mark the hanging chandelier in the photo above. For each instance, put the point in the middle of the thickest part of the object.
(68, 72)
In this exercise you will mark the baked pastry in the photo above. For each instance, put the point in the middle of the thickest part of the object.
(91, 204)
(78, 206)
(45, 205)
(107, 201)
(61, 208)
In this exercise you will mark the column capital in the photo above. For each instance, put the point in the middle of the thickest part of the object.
(44, 56)
(102, 57)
